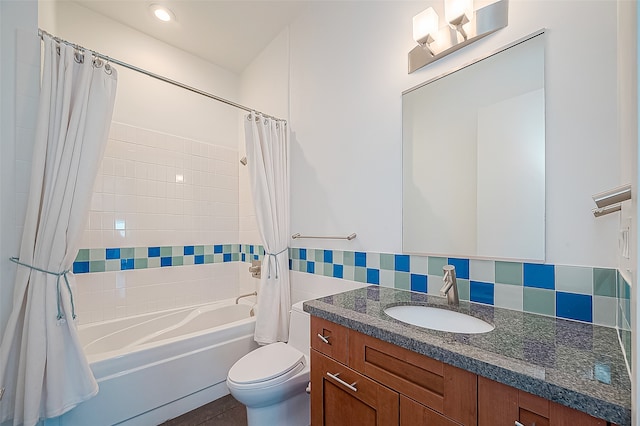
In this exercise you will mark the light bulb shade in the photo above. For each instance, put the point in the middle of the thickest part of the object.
(458, 12)
(425, 26)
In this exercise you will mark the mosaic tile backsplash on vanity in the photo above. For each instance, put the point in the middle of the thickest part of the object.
(577, 293)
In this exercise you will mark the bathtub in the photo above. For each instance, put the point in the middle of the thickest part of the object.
(156, 366)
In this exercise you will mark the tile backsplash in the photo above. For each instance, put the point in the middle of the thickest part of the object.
(571, 292)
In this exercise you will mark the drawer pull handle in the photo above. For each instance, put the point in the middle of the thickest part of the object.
(518, 423)
(324, 339)
(335, 377)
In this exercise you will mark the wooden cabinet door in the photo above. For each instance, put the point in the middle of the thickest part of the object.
(497, 403)
(343, 397)
(559, 415)
(502, 405)
(415, 414)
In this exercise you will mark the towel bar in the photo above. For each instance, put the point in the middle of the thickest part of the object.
(348, 237)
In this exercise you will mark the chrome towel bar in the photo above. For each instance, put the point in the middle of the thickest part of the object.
(609, 201)
(348, 237)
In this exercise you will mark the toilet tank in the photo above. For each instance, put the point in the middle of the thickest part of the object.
(299, 326)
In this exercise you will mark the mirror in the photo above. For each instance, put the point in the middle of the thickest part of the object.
(474, 159)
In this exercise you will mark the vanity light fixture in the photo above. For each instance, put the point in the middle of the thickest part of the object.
(464, 26)
(162, 13)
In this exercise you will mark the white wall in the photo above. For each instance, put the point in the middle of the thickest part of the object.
(142, 101)
(348, 69)
(19, 88)
(264, 85)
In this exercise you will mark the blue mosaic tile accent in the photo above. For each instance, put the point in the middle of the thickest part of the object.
(539, 276)
(311, 267)
(574, 306)
(402, 262)
(166, 261)
(217, 248)
(361, 259)
(419, 283)
(481, 292)
(126, 264)
(373, 276)
(462, 267)
(153, 252)
(328, 256)
(112, 253)
(188, 250)
(338, 271)
(80, 267)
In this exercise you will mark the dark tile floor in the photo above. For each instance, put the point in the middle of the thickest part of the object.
(225, 411)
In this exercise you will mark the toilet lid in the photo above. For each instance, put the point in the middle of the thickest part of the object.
(266, 363)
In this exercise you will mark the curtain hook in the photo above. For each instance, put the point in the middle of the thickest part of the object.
(78, 55)
(108, 69)
(97, 62)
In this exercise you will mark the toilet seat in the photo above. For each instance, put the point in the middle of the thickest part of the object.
(267, 366)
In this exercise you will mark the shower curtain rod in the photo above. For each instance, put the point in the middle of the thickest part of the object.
(156, 76)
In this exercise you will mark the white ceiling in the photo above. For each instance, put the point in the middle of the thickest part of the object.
(229, 33)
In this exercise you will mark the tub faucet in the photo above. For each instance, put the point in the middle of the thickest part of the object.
(450, 287)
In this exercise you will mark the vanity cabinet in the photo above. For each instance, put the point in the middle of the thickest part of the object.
(502, 405)
(342, 396)
(360, 380)
(357, 379)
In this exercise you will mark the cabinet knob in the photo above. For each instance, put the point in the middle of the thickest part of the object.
(324, 339)
(518, 423)
(351, 386)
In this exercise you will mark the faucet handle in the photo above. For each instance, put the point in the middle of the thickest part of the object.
(449, 272)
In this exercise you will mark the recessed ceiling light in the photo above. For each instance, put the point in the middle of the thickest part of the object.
(162, 13)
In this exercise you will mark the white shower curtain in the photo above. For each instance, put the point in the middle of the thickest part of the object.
(267, 157)
(43, 369)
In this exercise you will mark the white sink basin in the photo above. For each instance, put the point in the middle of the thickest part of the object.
(438, 319)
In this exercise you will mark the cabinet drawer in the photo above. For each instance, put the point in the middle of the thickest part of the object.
(445, 389)
(330, 339)
(342, 397)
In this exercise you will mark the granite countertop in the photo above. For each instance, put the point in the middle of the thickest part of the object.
(575, 364)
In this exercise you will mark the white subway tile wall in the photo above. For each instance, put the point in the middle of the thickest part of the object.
(155, 189)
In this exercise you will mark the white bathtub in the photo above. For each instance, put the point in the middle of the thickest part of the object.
(156, 366)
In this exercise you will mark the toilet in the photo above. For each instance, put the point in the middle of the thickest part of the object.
(271, 381)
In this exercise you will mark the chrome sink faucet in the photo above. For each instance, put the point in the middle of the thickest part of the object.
(450, 287)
